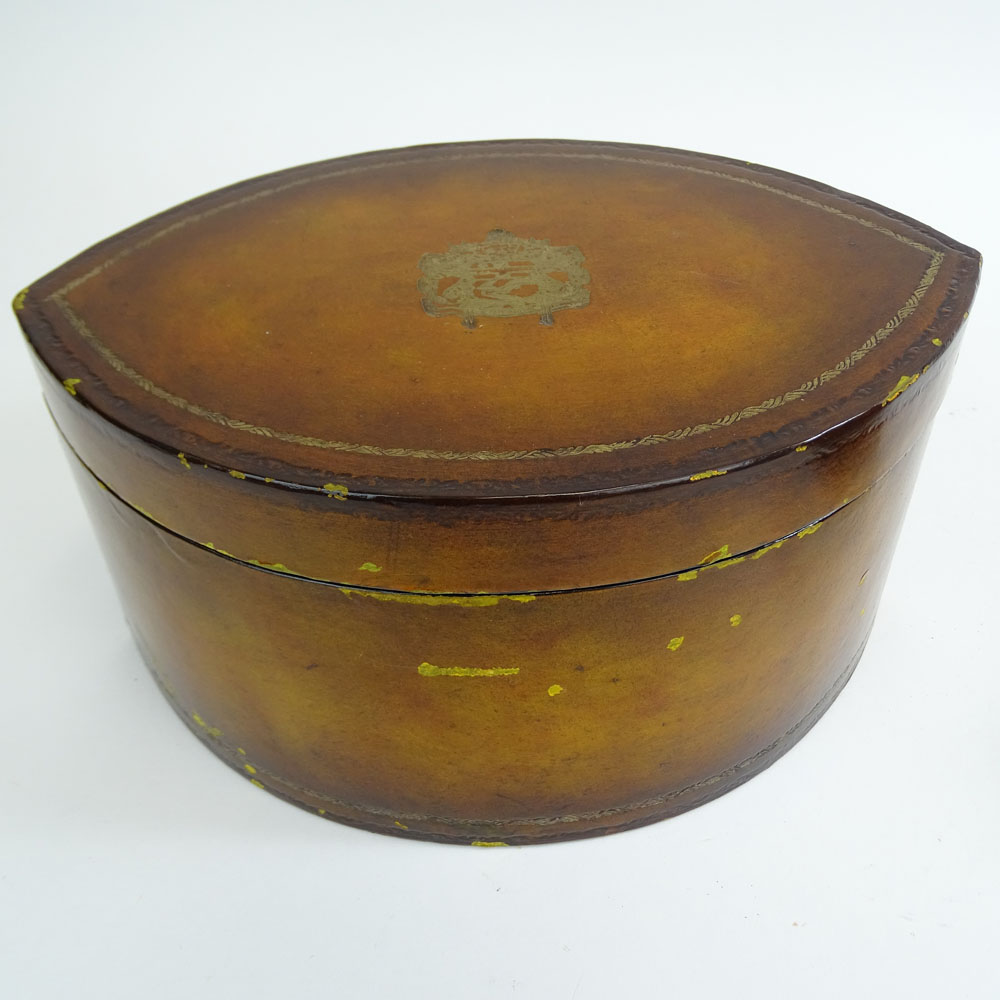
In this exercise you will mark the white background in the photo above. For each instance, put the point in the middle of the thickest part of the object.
(133, 864)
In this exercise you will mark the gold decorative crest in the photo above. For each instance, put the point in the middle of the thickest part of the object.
(505, 275)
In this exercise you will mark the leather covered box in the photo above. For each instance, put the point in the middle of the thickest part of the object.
(502, 492)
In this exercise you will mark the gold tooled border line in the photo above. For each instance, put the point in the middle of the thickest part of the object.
(123, 368)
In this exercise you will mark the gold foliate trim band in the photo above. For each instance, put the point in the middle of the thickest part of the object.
(115, 362)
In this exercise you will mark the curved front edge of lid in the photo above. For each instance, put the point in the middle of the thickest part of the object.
(484, 322)
(506, 546)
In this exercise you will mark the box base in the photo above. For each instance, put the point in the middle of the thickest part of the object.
(514, 832)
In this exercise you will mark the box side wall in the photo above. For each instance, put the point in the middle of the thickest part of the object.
(566, 715)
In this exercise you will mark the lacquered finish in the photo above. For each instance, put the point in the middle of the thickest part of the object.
(503, 492)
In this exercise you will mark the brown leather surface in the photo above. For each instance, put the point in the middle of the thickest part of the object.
(565, 715)
(573, 536)
(276, 328)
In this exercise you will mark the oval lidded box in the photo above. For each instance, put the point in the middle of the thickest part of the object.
(502, 492)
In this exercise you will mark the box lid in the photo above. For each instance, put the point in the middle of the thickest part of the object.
(502, 319)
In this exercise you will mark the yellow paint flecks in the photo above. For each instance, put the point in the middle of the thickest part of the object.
(430, 670)
(250, 768)
(210, 730)
(717, 560)
(863, 610)
(402, 826)
(462, 600)
(727, 562)
(802, 447)
(490, 843)
(183, 460)
(19, 299)
(370, 567)
(236, 474)
(735, 620)
(222, 552)
(70, 384)
(714, 560)
(936, 341)
(767, 548)
(254, 781)
(241, 751)
(716, 555)
(862, 580)
(555, 689)
(322, 812)
(268, 479)
(336, 491)
(901, 386)
(281, 567)
(708, 474)
(675, 643)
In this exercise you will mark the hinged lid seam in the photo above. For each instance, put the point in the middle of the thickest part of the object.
(719, 559)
